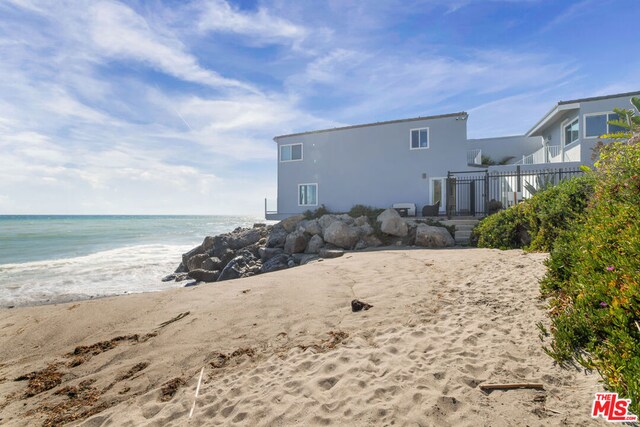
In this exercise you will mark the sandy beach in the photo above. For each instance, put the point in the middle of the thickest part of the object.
(285, 349)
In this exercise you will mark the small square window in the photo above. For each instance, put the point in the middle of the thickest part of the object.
(419, 138)
(308, 195)
(290, 152)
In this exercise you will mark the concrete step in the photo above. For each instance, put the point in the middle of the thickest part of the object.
(460, 222)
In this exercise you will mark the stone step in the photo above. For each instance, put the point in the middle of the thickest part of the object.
(461, 225)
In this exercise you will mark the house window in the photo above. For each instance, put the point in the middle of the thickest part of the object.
(289, 153)
(308, 195)
(419, 138)
(571, 132)
(597, 124)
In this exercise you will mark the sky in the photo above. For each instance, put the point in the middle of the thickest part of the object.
(170, 107)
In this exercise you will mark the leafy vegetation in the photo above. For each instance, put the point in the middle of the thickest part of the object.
(488, 161)
(370, 212)
(593, 277)
(592, 227)
(317, 213)
(535, 223)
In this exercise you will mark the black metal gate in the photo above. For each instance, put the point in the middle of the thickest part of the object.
(473, 193)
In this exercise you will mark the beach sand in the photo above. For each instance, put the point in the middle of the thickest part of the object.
(285, 349)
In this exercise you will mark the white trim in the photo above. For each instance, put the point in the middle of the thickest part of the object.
(566, 123)
(290, 145)
(443, 189)
(428, 139)
(298, 193)
(596, 114)
(551, 115)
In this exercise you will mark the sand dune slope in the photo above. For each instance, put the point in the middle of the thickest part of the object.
(285, 349)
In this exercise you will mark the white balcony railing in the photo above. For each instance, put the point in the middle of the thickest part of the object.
(554, 155)
(474, 157)
(555, 152)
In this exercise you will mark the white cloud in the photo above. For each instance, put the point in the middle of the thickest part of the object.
(262, 26)
(119, 32)
(397, 82)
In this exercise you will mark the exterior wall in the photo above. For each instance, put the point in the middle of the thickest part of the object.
(371, 165)
(553, 130)
(601, 106)
(508, 146)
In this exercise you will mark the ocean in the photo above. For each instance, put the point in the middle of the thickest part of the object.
(52, 258)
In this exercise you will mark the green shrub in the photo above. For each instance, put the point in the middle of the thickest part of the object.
(551, 211)
(503, 230)
(370, 212)
(593, 279)
(536, 223)
(317, 213)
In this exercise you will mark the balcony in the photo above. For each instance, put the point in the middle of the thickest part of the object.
(553, 154)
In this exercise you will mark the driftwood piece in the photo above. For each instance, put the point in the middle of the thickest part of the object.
(175, 319)
(490, 387)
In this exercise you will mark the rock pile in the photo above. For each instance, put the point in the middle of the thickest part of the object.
(245, 252)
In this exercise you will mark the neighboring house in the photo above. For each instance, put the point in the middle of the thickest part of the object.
(409, 160)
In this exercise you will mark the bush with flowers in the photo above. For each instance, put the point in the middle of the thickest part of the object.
(593, 279)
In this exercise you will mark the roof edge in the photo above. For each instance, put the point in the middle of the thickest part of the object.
(413, 119)
(599, 98)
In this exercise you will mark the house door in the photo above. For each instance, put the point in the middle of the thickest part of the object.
(438, 192)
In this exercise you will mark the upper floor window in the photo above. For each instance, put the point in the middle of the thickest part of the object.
(307, 194)
(419, 138)
(290, 152)
(597, 124)
(571, 132)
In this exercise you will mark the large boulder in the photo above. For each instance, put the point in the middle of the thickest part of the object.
(326, 220)
(204, 275)
(372, 241)
(291, 223)
(193, 252)
(391, 223)
(341, 235)
(244, 265)
(278, 262)
(388, 213)
(330, 253)
(277, 237)
(212, 263)
(361, 220)
(243, 237)
(196, 261)
(296, 242)
(315, 244)
(365, 230)
(311, 227)
(268, 253)
(302, 259)
(433, 237)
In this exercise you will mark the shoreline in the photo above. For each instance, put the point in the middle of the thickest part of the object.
(285, 347)
(72, 299)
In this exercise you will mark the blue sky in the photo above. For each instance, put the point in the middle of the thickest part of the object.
(171, 106)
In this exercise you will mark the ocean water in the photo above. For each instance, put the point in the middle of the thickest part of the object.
(45, 259)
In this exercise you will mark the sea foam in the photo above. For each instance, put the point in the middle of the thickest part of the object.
(129, 269)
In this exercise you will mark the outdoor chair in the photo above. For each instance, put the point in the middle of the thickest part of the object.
(431, 210)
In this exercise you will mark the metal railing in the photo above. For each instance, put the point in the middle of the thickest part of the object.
(270, 206)
(474, 157)
(554, 154)
(473, 193)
